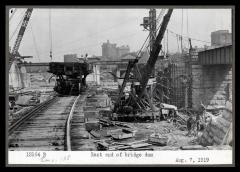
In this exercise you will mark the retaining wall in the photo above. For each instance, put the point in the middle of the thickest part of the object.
(219, 130)
(211, 85)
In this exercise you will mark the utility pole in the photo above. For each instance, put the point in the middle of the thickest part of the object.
(150, 24)
(154, 53)
(149, 67)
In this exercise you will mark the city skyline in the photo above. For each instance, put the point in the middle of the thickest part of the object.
(83, 31)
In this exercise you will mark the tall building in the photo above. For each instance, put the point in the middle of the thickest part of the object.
(112, 52)
(71, 58)
(221, 37)
(123, 50)
(109, 50)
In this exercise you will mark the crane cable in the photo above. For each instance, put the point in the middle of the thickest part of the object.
(34, 41)
(12, 12)
(167, 43)
(187, 22)
(160, 16)
(181, 34)
(36, 47)
(177, 42)
(189, 42)
(50, 34)
(139, 51)
(17, 26)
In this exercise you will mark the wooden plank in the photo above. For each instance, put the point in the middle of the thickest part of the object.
(138, 141)
(143, 149)
(37, 143)
(122, 136)
(140, 145)
(193, 147)
(103, 146)
(95, 134)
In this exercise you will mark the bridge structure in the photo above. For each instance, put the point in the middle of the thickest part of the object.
(99, 69)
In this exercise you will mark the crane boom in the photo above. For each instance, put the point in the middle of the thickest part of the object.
(20, 36)
(154, 53)
(145, 74)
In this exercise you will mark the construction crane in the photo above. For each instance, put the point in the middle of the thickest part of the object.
(154, 52)
(14, 54)
(139, 93)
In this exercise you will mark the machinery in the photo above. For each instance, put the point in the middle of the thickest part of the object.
(70, 76)
(14, 55)
(137, 98)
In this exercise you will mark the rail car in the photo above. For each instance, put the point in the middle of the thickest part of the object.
(70, 76)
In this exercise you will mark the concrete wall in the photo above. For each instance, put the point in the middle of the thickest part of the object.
(94, 77)
(25, 77)
(29, 76)
(211, 84)
(219, 130)
(15, 80)
(40, 80)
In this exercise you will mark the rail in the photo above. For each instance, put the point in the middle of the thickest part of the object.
(68, 126)
(31, 113)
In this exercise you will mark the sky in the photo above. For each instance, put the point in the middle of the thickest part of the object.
(80, 31)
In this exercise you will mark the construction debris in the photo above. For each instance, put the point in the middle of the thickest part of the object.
(158, 139)
(102, 145)
(168, 106)
(166, 134)
(124, 134)
(95, 134)
(92, 125)
(193, 147)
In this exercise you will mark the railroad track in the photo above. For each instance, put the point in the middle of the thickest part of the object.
(78, 138)
(44, 127)
(30, 114)
(57, 124)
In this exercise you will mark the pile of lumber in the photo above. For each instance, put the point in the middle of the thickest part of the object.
(124, 134)
(136, 145)
(107, 122)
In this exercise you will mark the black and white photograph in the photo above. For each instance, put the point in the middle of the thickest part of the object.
(120, 85)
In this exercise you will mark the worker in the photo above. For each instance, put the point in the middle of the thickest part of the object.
(85, 58)
(133, 88)
(174, 117)
(127, 97)
(204, 111)
(200, 122)
(170, 115)
(190, 124)
(163, 114)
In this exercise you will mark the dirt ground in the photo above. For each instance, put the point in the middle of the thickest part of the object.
(176, 137)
